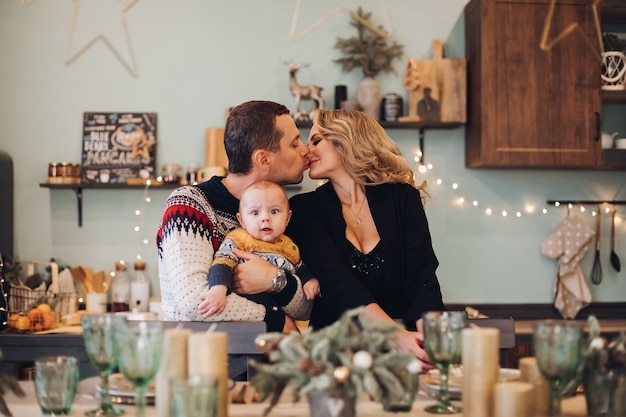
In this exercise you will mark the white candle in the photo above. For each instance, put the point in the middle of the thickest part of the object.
(480, 370)
(173, 365)
(139, 296)
(208, 356)
(529, 372)
(513, 399)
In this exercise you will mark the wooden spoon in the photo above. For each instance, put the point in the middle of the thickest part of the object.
(614, 258)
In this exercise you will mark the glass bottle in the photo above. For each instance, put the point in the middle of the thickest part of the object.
(121, 288)
(140, 289)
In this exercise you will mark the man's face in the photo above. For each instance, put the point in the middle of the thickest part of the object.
(290, 162)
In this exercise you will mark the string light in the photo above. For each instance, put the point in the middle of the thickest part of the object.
(5, 301)
(530, 209)
(140, 213)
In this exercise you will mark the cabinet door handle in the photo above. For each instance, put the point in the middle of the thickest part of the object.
(598, 127)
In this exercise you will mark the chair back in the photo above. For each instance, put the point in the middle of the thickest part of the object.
(506, 326)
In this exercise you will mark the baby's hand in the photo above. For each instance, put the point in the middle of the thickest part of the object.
(213, 301)
(311, 288)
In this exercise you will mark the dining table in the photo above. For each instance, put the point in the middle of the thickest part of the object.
(86, 400)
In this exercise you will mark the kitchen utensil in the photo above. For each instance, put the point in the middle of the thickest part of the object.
(614, 258)
(596, 270)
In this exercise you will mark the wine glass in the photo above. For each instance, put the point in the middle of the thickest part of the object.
(139, 346)
(558, 349)
(98, 338)
(443, 342)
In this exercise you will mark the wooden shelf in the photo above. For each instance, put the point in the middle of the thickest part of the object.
(614, 96)
(78, 191)
(107, 186)
(402, 125)
(613, 12)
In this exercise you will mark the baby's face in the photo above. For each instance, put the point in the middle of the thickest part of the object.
(264, 213)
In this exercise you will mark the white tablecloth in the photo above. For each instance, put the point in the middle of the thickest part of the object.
(28, 407)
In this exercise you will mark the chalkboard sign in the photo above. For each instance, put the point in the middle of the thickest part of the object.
(118, 148)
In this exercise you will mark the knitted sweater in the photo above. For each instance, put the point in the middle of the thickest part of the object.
(195, 221)
(283, 254)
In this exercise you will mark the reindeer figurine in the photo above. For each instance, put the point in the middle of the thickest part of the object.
(303, 92)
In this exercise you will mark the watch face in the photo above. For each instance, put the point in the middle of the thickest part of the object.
(280, 281)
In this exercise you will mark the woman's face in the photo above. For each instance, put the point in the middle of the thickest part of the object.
(324, 160)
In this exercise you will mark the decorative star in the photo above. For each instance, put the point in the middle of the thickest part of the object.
(141, 147)
(69, 58)
(295, 37)
(546, 44)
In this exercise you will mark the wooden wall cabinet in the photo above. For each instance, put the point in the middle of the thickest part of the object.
(530, 108)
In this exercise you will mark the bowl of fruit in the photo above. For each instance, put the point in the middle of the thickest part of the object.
(36, 319)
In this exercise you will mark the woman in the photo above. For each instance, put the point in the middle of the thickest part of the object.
(364, 233)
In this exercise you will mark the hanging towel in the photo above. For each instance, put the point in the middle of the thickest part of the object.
(569, 243)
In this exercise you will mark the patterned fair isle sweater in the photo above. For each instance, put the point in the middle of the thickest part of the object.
(190, 232)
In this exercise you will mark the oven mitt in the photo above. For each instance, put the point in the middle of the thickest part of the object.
(569, 243)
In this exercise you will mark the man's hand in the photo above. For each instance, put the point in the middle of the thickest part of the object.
(254, 275)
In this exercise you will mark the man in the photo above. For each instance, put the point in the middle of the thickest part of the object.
(262, 142)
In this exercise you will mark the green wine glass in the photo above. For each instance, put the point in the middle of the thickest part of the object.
(98, 338)
(558, 349)
(443, 342)
(139, 347)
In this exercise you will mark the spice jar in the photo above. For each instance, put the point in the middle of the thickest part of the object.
(171, 173)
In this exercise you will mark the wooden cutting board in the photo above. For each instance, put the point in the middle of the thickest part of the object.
(447, 81)
(215, 154)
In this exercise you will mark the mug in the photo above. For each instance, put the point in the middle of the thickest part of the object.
(96, 302)
(195, 396)
(207, 173)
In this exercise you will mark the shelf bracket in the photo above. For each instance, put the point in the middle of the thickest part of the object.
(79, 202)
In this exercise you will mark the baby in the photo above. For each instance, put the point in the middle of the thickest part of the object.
(263, 214)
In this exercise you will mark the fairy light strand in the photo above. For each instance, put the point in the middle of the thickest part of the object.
(461, 198)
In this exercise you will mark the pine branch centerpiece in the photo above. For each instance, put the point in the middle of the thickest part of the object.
(353, 355)
(367, 50)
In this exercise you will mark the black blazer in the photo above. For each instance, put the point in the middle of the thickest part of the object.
(411, 286)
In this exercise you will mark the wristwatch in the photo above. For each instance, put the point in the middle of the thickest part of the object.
(280, 280)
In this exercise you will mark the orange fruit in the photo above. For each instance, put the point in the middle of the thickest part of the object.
(22, 323)
(48, 320)
(44, 308)
(34, 315)
(37, 327)
(13, 319)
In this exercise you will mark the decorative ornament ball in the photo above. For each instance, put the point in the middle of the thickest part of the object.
(362, 359)
(260, 343)
(341, 374)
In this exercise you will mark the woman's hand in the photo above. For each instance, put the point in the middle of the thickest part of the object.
(253, 276)
(412, 342)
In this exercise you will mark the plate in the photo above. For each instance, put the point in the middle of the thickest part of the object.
(431, 380)
(123, 392)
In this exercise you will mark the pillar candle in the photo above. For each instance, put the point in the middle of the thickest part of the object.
(208, 356)
(173, 365)
(529, 372)
(513, 399)
(480, 370)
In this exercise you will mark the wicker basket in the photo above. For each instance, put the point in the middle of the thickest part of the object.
(22, 298)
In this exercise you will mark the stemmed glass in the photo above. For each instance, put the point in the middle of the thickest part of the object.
(443, 342)
(139, 345)
(98, 338)
(558, 349)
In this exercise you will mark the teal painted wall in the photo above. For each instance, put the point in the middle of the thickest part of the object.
(194, 59)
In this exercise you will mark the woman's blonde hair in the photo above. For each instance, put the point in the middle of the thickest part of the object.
(366, 150)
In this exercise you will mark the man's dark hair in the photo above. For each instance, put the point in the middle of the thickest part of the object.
(251, 126)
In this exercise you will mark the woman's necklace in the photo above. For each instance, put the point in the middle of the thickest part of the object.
(356, 215)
